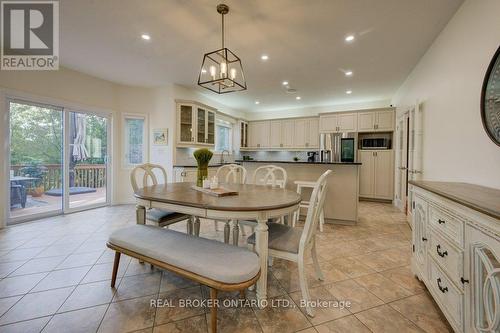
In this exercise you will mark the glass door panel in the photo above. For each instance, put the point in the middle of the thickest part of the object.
(186, 125)
(201, 114)
(36, 160)
(88, 150)
(211, 128)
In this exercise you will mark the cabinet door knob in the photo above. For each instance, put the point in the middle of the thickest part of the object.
(441, 221)
(441, 254)
(424, 239)
(464, 281)
(443, 290)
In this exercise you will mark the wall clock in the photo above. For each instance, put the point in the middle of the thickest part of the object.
(490, 99)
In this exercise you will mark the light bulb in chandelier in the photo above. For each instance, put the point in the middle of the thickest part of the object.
(232, 73)
(223, 70)
(213, 72)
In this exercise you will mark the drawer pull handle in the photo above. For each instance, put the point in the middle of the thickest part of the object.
(441, 221)
(441, 254)
(443, 289)
(424, 239)
(464, 281)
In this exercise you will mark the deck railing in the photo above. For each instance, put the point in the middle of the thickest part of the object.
(86, 175)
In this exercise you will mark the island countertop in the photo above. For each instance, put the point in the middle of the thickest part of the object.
(483, 199)
(299, 162)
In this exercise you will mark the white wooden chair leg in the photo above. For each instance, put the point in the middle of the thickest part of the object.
(227, 229)
(321, 220)
(236, 232)
(317, 267)
(251, 247)
(303, 286)
(196, 226)
(189, 226)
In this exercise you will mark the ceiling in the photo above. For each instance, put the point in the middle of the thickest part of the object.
(304, 40)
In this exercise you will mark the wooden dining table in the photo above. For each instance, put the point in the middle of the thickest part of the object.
(253, 202)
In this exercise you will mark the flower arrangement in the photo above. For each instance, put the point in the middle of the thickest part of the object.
(203, 157)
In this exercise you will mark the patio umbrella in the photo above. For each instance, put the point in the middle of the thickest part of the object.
(80, 152)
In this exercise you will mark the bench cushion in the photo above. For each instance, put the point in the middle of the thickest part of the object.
(211, 259)
(281, 238)
(159, 215)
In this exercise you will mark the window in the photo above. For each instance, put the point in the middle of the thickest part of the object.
(134, 140)
(224, 136)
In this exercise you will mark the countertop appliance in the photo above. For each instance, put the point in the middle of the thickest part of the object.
(311, 156)
(333, 149)
(376, 143)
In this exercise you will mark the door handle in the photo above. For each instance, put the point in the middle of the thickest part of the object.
(443, 290)
(441, 254)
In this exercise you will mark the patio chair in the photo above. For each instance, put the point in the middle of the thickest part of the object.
(17, 195)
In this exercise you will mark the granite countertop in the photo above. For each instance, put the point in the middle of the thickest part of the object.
(299, 162)
(483, 199)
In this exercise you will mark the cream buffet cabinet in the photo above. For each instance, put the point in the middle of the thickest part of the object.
(456, 253)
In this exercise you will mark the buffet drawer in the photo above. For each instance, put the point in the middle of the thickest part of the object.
(447, 256)
(449, 296)
(446, 224)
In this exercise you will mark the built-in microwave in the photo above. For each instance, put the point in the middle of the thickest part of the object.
(375, 143)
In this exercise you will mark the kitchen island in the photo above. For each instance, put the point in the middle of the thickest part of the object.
(341, 203)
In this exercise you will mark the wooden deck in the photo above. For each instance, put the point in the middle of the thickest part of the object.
(47, 203)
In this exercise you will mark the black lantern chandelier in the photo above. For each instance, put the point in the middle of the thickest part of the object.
(221, 70)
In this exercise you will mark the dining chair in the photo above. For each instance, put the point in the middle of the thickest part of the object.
(304, 203)
(158, 217)
(289, 243)
(232, 174)
(264, 175)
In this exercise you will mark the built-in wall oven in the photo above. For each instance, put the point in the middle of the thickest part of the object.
(375, 143)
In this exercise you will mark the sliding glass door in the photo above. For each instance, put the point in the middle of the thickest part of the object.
(58, 160)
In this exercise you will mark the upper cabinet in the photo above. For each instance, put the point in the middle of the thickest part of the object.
(258, 134)
(338, 123)
(305, 133)
(376, 121)
(195, 124)
(243, 134)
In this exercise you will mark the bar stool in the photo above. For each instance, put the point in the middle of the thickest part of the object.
(305, 204)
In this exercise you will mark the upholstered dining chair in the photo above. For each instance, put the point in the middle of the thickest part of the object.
(158, 217)
(264, 175)
(289, 243)
(230, 174)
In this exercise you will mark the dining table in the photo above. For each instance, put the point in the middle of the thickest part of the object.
(252, 202)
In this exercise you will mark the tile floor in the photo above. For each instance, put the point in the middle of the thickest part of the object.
(54, 277)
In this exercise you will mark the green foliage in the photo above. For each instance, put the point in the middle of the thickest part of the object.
(203, 156)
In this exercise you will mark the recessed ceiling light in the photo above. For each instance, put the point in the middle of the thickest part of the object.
(349, 38)
(348, 73)
(257, 102)
(348, 92)
(145, 36)
(284, 83)
(264, 57)
(298, 98)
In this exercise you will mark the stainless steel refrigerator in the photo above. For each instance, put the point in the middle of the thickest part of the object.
(338, 147)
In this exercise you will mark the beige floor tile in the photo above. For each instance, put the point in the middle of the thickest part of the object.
(38, 265)
(386, 259)
(7, 303)
(136, 268)
(343, 325)
(235, 320)
(405, 278)
(19, 285)
(87, 295)
(7, 268)
(21, 254)
(129, 315)
(422, 311)
(177, 310)
(81, 259)
(351, 267)
(197, 324)
(331, 272)
(29, 326)
(383, 288)
(325, 306)
(171, 281)
(289, 278)
(62, 278)
(36, 305)
(280, 318)
(138, 285)
(79, 321)
(350, 291)
(274, 288)
(308, 330)
(103, 272)
(384, 319)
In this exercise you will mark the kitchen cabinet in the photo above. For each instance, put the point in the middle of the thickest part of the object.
(258, 134)
(189, 174)
(243, 134)
(306, 134)
(275, 134)
(456, 254)
(376, 174)
(338, 123)
(376, 121)
(195, 124)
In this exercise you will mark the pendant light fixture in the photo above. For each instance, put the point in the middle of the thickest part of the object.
(221, 70)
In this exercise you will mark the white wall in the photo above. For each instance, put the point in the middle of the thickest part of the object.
(447, 80)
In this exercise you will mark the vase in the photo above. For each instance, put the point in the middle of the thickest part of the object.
(202, 173)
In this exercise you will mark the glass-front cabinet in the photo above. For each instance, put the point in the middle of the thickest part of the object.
(243, 134)
(195, 124)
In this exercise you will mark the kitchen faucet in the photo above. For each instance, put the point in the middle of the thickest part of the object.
(222, 156)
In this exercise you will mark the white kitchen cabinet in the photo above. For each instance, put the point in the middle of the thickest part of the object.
(189, 174)
(376, 121)
(376, 174)
(275, 134)
(258, 134)
(287, 133)
(456, 253)
(338, 123)
(243, 134)
(195, 124)
(306, 134)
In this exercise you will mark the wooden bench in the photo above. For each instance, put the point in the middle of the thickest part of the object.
(214, 264)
